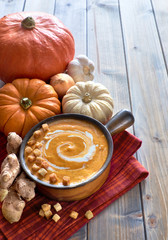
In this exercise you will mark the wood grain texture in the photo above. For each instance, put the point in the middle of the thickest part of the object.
(160, 8)
(10, 6)
(149, 92)
(122, 219)
(105, 48)
(40, 6)
(73, 15)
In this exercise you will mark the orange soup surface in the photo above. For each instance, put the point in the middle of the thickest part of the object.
(66, 149)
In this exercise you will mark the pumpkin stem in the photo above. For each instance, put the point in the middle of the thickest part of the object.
(28, 23)
(87, 98)
(25, 103)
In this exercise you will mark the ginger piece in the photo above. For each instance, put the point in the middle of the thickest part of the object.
(13, 143)
(12, 207)
(25, 187)
(10, 168)
(3, 194)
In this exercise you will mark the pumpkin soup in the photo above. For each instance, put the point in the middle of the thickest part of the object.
(66, 152)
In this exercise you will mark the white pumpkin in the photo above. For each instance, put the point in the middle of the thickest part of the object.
(89, 98)
(81, 69)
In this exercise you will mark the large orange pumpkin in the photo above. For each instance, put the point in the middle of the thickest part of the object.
(24, 103)
(33, 45)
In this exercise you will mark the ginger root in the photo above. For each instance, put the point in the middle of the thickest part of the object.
(12, 206)
(13, 143)
(3, 194)
(25, 187)
(12, 191)
(10, 168)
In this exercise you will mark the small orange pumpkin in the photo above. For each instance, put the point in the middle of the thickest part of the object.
(33, 45)
(24, 103)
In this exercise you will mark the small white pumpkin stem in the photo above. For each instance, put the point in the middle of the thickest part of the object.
(87, 98)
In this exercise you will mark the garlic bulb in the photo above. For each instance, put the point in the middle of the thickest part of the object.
(81, 69)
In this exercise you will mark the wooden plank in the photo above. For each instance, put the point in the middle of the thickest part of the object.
(123, 218)
(160, 8)
(73, 15)
(105, 47)
(40, 6)
(149, 93)
(7, 7)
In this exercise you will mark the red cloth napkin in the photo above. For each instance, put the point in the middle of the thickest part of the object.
(125, 173)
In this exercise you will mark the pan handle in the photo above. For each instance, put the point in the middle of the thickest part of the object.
(120, 121)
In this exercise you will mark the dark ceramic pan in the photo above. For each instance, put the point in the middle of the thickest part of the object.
(116, 124)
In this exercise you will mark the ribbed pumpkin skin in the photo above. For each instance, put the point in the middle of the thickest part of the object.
(89, 98)
(37, 53)
(13, 118)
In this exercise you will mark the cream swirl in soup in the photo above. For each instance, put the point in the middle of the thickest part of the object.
(73, 148)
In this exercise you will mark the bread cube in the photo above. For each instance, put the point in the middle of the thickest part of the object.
(35, 167)
(41, 213)
(42, 172)
(46, 207)
(45, 127)
(66, 180)
(56, 217)
(36, 152)
(37, 134)
(89, 214)
(31, 158)
(57, 207)
(53, 178)
(28, 150)
(44, 164)
(48, 214)
(38, 145)
(31, 142)
(74, 214)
